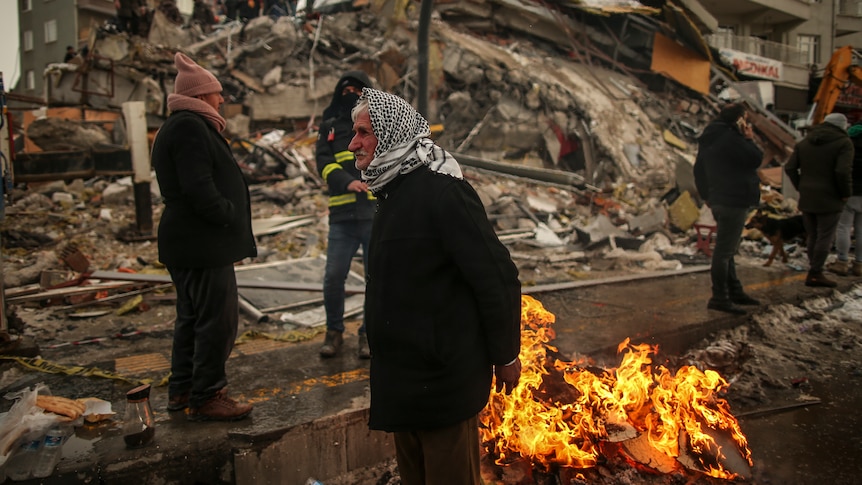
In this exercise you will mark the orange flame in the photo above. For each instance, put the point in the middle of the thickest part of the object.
(560, 412)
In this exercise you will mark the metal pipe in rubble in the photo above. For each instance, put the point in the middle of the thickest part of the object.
(558, 177)
(422, 42)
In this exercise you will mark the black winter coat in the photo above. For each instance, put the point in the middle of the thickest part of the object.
(725, 170)
(821, 169)
(207, 218)
(337, 165)
(857, 165)
(442, 303)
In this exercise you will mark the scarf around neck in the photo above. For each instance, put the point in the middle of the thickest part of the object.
(403, 142)
(179, 102)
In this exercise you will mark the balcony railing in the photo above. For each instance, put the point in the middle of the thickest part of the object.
(763, 48)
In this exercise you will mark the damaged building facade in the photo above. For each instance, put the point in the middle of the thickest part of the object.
(615, 92)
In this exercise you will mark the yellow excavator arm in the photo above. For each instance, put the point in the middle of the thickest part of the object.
(838, 74)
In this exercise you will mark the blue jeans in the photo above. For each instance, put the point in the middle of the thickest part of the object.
(851, 220)
(345, 238)
(729, 222)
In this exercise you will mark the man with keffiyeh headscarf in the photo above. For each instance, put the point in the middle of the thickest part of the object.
(442, 301)
(205, 228)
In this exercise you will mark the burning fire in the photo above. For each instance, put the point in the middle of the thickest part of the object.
(562, 412)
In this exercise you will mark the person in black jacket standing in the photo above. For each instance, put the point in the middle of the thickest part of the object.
(351, 208)
(725, 173)
(205, 228)
(821, 169)
(442, 301)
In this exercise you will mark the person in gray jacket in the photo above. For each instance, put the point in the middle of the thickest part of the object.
(821, 169)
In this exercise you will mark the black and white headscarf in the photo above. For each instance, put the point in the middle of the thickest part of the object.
(403, 142)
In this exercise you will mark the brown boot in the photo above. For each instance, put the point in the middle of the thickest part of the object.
(220, 408)
(332, 344)
(178, 402)
(839, 267)
(818, 280)
(856, 269)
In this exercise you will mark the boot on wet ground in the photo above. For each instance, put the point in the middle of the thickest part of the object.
(819, 280)
(725, 305)
(332, 344)
(220, 408)
(856, 269)
(178, 402)
(740, 297)
(841, 268)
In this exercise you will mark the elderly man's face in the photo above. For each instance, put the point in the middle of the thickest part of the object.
(213, 99)
(364, 142)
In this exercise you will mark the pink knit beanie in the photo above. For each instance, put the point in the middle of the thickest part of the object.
(193, 80)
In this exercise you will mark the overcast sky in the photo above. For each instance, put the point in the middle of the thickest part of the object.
(9, 42)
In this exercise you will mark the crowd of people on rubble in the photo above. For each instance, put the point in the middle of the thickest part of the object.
(825, 167)
(135, 16)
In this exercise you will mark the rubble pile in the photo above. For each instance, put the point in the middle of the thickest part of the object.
(583, 170)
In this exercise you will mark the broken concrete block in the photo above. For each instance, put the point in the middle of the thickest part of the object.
(598, 230)
(272, 78)
(117, 194)
(651, 221)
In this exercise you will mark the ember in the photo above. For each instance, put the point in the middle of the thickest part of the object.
(562, 413)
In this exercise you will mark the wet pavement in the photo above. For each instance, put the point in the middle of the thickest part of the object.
(309, 417)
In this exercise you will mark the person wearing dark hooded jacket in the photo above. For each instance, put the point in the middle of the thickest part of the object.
(725, 173)
(821, 169)
(351, 207)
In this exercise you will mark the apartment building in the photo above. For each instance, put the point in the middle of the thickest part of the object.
(46, 27)
(784, 43)
(778, 44)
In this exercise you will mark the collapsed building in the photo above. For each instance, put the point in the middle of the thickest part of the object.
(592, 100)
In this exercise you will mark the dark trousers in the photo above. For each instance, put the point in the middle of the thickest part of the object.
(344, 240)
(443, 456)
(204, 332)
(820, 229)
(729, 222)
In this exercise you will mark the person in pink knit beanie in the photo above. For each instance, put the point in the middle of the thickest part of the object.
(205, 228)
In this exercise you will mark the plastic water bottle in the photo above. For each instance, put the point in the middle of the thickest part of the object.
(52, 450)
(21, 464)
(312, 481)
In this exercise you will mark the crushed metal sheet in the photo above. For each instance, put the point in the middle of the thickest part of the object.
(305, 270)
(315, 317)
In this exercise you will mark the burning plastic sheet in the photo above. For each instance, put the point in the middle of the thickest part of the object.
(564, 414)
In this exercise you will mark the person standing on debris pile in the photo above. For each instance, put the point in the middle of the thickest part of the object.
(128, 14)
(351, 208)
(203, 16)
(70, 54)
(851, 217)
(725, 173)
(442, 301)
(205, 228)
(821, 169)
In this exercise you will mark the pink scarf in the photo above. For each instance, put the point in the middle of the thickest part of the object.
(178, 102)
